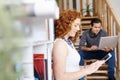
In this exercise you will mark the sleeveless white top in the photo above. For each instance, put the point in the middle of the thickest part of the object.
(73, 58)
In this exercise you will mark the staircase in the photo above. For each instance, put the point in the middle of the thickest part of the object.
(101, 74)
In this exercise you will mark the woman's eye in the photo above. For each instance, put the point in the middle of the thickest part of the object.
(75, 25)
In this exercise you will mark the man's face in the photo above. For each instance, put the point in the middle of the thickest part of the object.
(96, 28)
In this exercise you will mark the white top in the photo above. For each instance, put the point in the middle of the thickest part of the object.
(73, 58)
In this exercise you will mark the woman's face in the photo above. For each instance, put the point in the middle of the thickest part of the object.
(75, 27)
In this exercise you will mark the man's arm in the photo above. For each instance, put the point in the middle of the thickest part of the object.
(85, 48)
(89, 48)
(83, 42)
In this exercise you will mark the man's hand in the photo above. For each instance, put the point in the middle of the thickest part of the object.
(106, 49)
(94, 47)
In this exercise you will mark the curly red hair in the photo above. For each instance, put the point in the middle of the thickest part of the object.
(64, 23)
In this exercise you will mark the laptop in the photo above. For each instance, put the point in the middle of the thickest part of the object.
(108, 42)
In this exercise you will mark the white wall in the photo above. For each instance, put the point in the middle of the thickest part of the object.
(115, 5)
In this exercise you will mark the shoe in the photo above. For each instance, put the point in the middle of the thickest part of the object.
(111, 78)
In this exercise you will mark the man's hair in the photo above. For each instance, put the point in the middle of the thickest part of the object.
(95, 20)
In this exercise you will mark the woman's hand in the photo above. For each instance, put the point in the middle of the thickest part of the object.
(94, 66)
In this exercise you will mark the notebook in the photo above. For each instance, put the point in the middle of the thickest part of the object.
(108, 42)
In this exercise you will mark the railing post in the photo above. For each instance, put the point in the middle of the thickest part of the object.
(67, 4)
(118, 54)
(61, 5)
(109, 22)
(81, 6)
(95, 7)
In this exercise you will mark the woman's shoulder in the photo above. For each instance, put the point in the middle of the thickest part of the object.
(59, 41)
(59, 45)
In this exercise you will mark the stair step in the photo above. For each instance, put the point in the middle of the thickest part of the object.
(97, 77)
(86, 22)
(89, 17)
(102, 71)
(86, 27)
(104, 67)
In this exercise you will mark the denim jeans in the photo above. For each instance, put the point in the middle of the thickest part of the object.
(99, 54)
(81, 79)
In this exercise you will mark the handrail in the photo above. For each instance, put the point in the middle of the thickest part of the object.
(112, 11)
(111, 24)
(107, 12)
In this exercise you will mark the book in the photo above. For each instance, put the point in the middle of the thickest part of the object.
(40, 70)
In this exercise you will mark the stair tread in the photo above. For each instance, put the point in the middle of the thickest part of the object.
(97, 77)
(86, 22)
(85, 27)
(89, 17)
(102, 71)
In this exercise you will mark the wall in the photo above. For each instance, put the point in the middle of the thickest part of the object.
(115, 5)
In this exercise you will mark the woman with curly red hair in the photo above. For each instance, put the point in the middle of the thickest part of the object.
(65, 57)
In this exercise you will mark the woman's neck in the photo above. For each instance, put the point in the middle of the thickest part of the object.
(69, 42)
(66, 37)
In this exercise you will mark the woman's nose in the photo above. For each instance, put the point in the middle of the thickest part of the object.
(78, 28)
